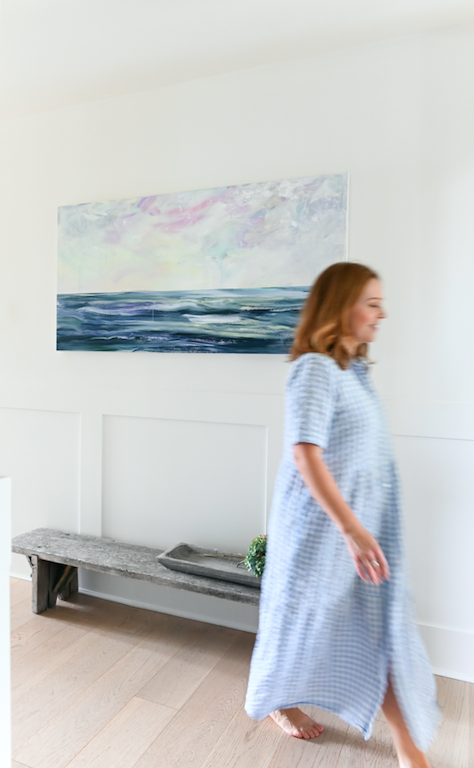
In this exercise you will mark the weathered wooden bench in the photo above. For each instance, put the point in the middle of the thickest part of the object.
(55, 557)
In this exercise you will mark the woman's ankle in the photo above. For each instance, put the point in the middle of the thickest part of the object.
(412, 758)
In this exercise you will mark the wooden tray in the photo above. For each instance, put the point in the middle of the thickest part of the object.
(190, 559)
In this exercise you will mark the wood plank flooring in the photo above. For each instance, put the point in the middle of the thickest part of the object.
(102, 685)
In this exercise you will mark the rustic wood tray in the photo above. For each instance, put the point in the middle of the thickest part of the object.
(208, 562)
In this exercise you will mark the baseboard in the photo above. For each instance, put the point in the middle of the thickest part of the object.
(177, 602)
(185, 614)
(451, 651)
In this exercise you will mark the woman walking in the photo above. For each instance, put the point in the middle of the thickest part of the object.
(337, 627)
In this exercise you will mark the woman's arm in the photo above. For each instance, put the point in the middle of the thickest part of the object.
(363, 548)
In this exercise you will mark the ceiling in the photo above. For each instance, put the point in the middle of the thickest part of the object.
(60, 52)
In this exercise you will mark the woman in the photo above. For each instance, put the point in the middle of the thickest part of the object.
(337, 627)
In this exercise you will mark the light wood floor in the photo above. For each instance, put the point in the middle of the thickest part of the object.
(102, 685)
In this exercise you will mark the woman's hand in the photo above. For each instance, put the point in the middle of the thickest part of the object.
(368, 558)
(367, 555)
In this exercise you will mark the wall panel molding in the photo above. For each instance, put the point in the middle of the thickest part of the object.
(171, 480)
(40, 451)
(93, 407)
(441, 419)
(95, 404)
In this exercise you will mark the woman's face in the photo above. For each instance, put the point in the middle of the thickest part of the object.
(364, 317)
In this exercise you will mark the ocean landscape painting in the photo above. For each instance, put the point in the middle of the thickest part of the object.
(218, 270)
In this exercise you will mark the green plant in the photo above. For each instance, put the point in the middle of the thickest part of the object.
(255, 557)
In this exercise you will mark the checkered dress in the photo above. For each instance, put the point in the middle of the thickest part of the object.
(325, 637)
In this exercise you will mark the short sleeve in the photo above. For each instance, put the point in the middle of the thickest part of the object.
(311, 399)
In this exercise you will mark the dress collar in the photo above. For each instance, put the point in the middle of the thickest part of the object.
(360, 363)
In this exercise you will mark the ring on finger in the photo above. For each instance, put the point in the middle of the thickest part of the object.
(374, 563)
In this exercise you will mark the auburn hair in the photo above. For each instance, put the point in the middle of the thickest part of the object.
(323, 325)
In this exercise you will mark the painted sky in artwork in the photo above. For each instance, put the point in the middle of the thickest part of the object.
(276, 233)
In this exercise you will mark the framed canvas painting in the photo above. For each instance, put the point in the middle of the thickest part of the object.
(216, 270)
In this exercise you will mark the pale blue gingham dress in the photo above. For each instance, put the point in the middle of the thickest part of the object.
(325, 637)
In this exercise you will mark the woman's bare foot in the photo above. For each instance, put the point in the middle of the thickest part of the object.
(294, 722)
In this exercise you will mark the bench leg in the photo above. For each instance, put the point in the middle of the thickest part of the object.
(50, 581)
(42, 577)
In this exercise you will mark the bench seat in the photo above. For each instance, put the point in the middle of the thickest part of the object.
(55, 557)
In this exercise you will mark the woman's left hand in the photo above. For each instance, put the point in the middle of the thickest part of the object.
(367, 555)
(365, 551)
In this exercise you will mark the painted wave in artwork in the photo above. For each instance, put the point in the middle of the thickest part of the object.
(247, 320)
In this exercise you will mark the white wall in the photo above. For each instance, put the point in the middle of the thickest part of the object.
(80, 432)
(5, 695)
